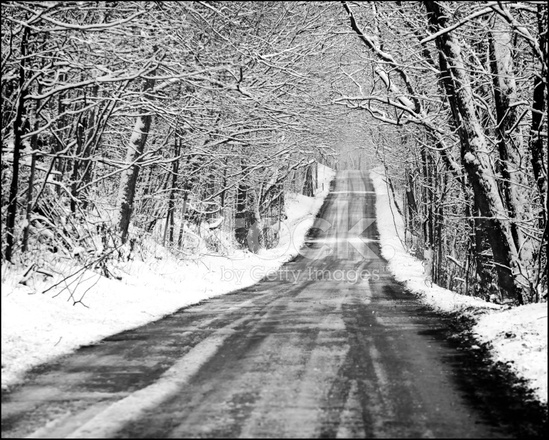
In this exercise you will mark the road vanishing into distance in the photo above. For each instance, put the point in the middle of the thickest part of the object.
(328, 346)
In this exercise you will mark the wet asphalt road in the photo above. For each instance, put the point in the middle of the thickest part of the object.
(328, 346)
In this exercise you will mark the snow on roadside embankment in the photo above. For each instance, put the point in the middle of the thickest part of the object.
(37, 327)
(518, 336)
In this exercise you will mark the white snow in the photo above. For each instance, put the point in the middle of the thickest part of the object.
(37, 327)
(469, 157)
(518, 336)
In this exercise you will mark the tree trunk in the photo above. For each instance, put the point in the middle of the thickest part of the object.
(308, 184)
(128, 179)
(183, 212)
(411, 199)
(475, 156)
(91, 140)
(440, 264)
(168, 230)
(536, 144)
(241, 215)
(255, 237)
(480, 245)
(17, 147)
(428, 229)
(505, 93)
(223, 192)
(60, 162)
(79, 136)
(34, 151)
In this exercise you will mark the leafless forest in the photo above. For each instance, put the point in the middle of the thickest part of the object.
(122, 120)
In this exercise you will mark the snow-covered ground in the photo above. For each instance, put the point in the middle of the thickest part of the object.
(37, 327)
(518, 336)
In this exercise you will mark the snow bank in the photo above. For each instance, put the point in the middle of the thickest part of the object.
(38, 327)
(518, 336)
(405, 267)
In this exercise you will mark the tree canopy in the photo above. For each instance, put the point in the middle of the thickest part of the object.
(128, 118)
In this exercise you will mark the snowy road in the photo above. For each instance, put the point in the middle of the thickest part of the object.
(328, 346)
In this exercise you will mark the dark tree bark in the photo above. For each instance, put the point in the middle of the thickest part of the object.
(504, 93)
(476, 161)
(410, 197)
(79, 136)
(224, 183)
(536, 145)
(87, 136)
(308, 185)
(18, 130)
(134, 155)
(481, 249)
(242, 215)
(168, 230)
(30, 191)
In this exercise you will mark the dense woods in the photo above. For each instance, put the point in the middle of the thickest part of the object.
(463, 87)
(176, 119)
(155, 115)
